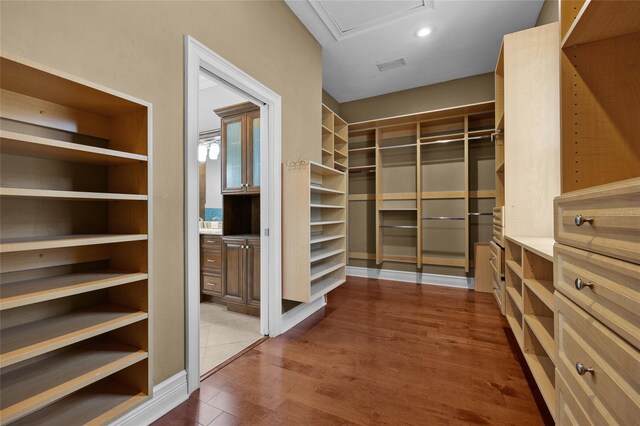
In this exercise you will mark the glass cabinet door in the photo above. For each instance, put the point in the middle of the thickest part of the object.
(253, 151)
(233, 173)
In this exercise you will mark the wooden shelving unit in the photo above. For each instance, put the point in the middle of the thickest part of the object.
(600, 141)
(335, 135)
(315, 236)
(74, 253)
(530, 308)
(424, 185)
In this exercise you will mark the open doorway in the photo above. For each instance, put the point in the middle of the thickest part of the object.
(228, 221)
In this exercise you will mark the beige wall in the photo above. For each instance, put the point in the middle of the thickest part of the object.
(469, 90)
(549, 12)
(329, 101)
(137, 48)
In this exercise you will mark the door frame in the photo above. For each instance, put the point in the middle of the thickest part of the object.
(198, 56)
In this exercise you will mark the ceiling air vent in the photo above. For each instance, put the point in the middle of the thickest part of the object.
(394, 63)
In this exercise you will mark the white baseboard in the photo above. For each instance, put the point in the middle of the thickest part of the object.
(300, 313)
(411, 277)
(166, 396)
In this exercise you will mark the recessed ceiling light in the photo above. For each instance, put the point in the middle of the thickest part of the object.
(423, 32)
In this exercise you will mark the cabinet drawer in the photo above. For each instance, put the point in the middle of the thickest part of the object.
(211, 242)
(211, 284)
(498, 216)
(499, 293)
(604, 219)
(609, 394)
(211, 261)
(569, 411)
(498, 235)
(610, 288)
(497, 259)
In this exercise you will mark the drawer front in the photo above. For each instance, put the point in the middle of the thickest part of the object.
(498, 216)
(211, 261)
(610, 393)
(569, 411)
(610, 288)
(212, 241)
(604, 219)
(499, 293)
(498, 235)
(211, 284)
(497, 259)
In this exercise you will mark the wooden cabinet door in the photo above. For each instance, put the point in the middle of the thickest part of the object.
(253, 272)
(233, 152)
(233, 270)
(252, 160)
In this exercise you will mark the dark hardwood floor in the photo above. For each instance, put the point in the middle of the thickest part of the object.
(380, 352)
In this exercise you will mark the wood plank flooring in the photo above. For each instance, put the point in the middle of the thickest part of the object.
(380, 352)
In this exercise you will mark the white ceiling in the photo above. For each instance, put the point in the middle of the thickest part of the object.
(356, 35)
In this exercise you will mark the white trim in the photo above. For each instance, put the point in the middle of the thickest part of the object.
(412, 277)
(300, 313)
(166, 396)
(199, 56)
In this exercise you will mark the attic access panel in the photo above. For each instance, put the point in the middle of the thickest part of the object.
(345, 18)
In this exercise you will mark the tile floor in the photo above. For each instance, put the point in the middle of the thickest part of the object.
(224, 334)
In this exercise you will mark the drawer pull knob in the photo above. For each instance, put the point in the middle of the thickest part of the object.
(582, 370)
(579, 220)
(492, 258)
(581, 284)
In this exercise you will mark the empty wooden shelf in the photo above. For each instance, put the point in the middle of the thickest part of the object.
(314, 238)
(74, 255)
(34, 386)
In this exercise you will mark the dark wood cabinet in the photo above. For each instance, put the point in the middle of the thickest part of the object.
(233, 270)
(240, 148)
(241, 274)
(253, 272)
(210, 265)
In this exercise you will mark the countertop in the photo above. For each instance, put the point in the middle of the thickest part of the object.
(207, 231)
(542, 246)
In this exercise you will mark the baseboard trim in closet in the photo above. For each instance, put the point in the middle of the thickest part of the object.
(412, 277)
(166, 396)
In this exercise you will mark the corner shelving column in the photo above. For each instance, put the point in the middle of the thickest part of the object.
(530, 308)
(314, 239)
(75, 249)
(335, 138)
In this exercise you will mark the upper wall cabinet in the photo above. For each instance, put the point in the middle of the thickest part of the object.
(240, 148)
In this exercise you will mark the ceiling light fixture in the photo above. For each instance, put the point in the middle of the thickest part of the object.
(423, 32)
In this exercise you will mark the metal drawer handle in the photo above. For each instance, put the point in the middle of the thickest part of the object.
(581, 369)
(581, 284)
(212, 261)
(579, 220)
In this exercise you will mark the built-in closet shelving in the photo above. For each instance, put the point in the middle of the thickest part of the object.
(530, 308)
(600, 139)
(74, 252)
(335, 134)
(422, 187)
(315, 236)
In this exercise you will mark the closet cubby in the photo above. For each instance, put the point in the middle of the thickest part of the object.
(362, 195)
(542, 367)
(443, 232)
(599, 108)
(74, 253)
(315, 237)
